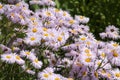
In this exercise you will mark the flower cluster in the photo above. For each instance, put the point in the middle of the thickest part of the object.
(56, 42)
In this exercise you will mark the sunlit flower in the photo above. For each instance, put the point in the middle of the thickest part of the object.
(8, 58)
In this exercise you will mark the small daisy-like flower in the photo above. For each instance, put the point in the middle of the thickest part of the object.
(116, 74)
(36, 63)
(113, 45)
(82, 19)
(44, 76)
(8, 58)
(19, 60)
(66, 62)
(32, 39)
(88, 61)
(102, 55)
(112, 28)
(28, 54)
(30, 71)
(114, 57)
(82, 38)
(71, 22)
(35, 30)
(88, 53)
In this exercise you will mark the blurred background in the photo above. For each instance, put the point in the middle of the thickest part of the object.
(101, 12)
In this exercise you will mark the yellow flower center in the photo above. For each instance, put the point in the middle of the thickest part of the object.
(98, 63)
(57, 10)
(60, 21)
(108, 74)
(87, 51)
(84, 73)
(103, 54)
(83, 38)
(88, 43)
(18, 57)
(117, 74)
(115, 45)
(46, 75)
(88, 60)
(36, 61)
(32, 38)
(46, 34)
(48, 13)
(96, 74)
(115, 54)
(81, 17)
(64, 14)
(21, 17)
(28, 53)
(45, 29)
(59, 38)
(71, 21)
(34, 30)
(8, 57)
(32, 18)
(1, 6)
(57, 78)
(103, 71)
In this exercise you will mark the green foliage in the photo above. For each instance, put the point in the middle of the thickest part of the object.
(101, 12)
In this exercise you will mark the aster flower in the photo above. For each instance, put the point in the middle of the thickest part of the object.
(34, 30)
(112, 28)
(114, 57)
(87, 61)
(44, 76)
(32, 39)
(1, 8)
(82, 19)
(66, 62)
(8, 58)
(116, 74)
(19, 60)
(36, 63)
(29, 54)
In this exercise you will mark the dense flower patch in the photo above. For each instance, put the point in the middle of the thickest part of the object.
(56, 46)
